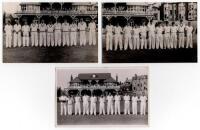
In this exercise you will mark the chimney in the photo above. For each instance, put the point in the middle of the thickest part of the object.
(71, 78)
(116, 78)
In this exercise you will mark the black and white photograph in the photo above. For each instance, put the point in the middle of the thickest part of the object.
(149, 32)
(102, 96)
(54, 32)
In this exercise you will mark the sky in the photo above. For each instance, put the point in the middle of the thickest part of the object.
(63, 75)
(10, 7)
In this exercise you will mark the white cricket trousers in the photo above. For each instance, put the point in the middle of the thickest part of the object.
(189, 41)
(8, 40)
(63, 108)
(17, 39)
(101, 109)
(134, 108)
(34, 39)
(92, 37)
(109, 108)
(136, 42)
(25, 39)
(117, 107)
(77, 108)
(173, 40)
(57, 37)
(73, 38)
(85, 108)
(143, 41)
(181, 40)
(126, 107)
(118, 41)
(70, 107)
(93, 109)
(65, 38)
(127, 42)
(82, 38)
(43, 37)
(142, 108)
(159, 41)
(167, 43)
(109, 44)
(151, 41)
(50, 39)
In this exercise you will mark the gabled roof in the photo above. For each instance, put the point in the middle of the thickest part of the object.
(110, 80)
(76, 80)
(98, 76)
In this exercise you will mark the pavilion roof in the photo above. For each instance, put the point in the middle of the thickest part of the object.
(91, 76)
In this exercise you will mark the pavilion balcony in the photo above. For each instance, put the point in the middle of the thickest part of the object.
(94, 87)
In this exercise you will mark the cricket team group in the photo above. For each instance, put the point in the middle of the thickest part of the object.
(46, 35)
(160, 35)
(109, 102)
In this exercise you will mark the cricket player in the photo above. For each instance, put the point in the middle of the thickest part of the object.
(117, 104)
(26, 31)
(34, 33)
(181, 35)
(42, 29)
(82, 29)
(57, 32)
(93, 101)
(136, 37)
(8, 30)
(92, 33)
(174, 30)
(143, 100)
(151, 32)
(65, 30)
(102, 105)
(50, 34)
(189, 31)
(118, 37)
(128, 37)
(70, 105)
(166, 30)
(134, 104)
(159, 36)
(109, 36)
(77, 104)
(109, 104)
(143, 33)
(126, 104)
(17, 34)
(73, 30)
(63, 104)
(86, 104)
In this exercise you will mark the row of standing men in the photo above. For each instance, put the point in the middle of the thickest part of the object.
(162, 36)
(66, 104)
(49, 35)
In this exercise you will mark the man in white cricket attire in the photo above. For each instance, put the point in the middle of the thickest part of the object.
(8, 30)
(159, 38)
(34, 33)
(63, 104)
(26, 31)
(50, 34)
(92, 33)
(70, 105)
(136, 37)
(102, 101)
(127, 37)
(109, 104)
(17, 34)
(93, 101)
(43, 36)
(126, 104)
(181, 35)
(73, 33)
(134, 104)
(189, 31)
(118, 37)
(151, 32)
(109, 36)
(65, 30)
(78, 104)
(86, 104)
(174, 30)
(143, 32)
(117, 104)
(57, 32)
(82, 29)
(166, 29)
(143, 100)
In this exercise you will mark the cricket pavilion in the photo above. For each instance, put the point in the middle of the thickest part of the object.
(57, 11)
(92, 83)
